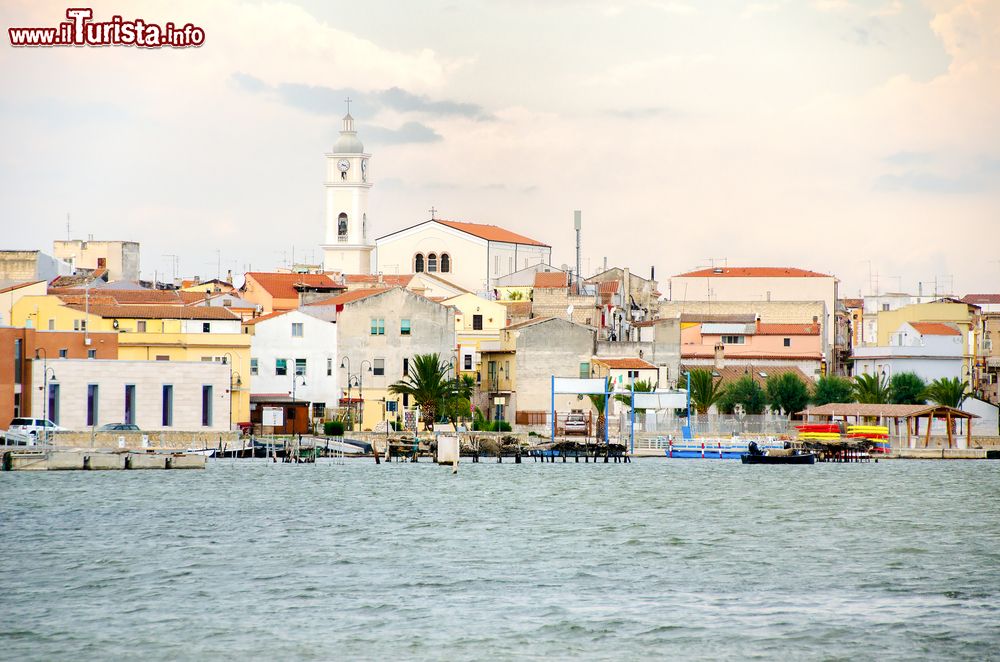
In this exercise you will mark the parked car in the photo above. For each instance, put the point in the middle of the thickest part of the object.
(27, 431)
(576, 423)
(118, 427)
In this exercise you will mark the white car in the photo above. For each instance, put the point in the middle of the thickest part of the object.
(28, 431)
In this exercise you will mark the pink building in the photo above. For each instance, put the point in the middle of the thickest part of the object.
(753, 344)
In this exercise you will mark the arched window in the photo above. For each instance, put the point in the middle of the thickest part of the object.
(432, 262)
(418, 263)
(342, 225)
(364, 226)
(445, 263)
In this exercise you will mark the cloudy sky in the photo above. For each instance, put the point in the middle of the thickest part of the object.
(850, 137)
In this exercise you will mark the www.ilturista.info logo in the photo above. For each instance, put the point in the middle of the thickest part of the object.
(80, 30)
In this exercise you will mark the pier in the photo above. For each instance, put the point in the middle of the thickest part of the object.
(93, 460)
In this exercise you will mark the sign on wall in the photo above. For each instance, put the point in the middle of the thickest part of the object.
(273, 416)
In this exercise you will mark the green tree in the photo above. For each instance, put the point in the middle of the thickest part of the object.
(428, 385)
(458, 402)
(641, 386)
(871, 389)
(745, 392)
(599, 402)
(948, 392)
(831, 388)
(788, 393)
(906, 388)
(705, 390)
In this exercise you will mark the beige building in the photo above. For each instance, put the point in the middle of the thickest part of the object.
(120, 258)
(478, 322)
(12, 292)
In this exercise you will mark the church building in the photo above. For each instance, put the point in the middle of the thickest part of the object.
(346, 249)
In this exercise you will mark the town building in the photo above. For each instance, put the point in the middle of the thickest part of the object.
(120, 258)
(12, 291)
(985, 378)
(19, 266)
(18, 346)
(378, 334)
(478, 322)
(623, 372)
(961, 314)
(88, 393)
(470, 255)
(553, 295)
(346, 248)
(931, 350)
(295, 353)
(517, 286)
(286, 291)
(750, 342)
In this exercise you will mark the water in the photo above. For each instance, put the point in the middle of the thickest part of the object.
(659, 558)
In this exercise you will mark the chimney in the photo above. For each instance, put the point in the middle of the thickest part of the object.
(626, 293)
(720, 359)
(380, 278)
(652, 273)
(229, 276)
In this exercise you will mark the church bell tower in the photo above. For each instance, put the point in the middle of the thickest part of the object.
(348, 180)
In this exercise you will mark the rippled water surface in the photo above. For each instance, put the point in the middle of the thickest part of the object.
(658, 558)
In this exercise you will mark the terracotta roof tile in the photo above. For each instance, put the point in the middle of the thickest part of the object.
(608, 287)
(853, 303)
(264, 318)
(732, 373)
(752, 272)
(490, 232)
(981, 299)
(348, 297)
(626, 364)
(158, 312)
(787, 329)
(518, 308)
(287, 285)
(935, 329)
(551, 279)
(401, 280)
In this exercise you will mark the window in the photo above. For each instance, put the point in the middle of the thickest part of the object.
(54, 403)
(102, 263)
(129, 404)
(491, 370)
(162, 357)
(206, 327)
(253, 366)
(404, 327)
(584, 370)
(296, 329)
(300, 366)
(445, 263)
(418, 263)
(280, 367)
(496, 264)
(140, 326)
(92, 404)
(319, 409)
(91, 353)
(329, 367)
(378, 326)
(52, 325)
(788, 342)
(168, 405)
(18, 360)
(206, 405)
(406, 366)
(510, 265)
(506, 369)
(885, 307)
(342, 227)
(733, 340)
(432, 262)
(632, 374)
(467, 362)
(378, 367)
(63, 353)
(477, 322)
(406, 399)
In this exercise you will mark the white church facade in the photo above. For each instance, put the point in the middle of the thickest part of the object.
(470, 255)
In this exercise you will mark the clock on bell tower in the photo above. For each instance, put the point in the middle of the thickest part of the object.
(346, 248)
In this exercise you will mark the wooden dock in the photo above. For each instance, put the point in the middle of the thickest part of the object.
(94, 460)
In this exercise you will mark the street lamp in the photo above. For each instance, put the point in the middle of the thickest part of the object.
(361, 391)
(345, 362)
(45, 387)
(295, 380)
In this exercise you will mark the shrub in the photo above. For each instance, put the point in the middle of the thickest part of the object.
(333, 428)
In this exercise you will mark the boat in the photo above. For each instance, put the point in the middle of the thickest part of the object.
(755, 455)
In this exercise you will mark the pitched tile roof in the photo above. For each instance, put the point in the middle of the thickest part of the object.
(752, 272)
(517, 308)
(287, 285)
(787, 329)
(551, 279)
(732, 373)
(348, 297)
(874, 411)
(158, 312)
(853, 303)
(626, 364)
(935, 329)
(401, 280)
(19, 284)
(264, 318)
(981, 299)
(131, 297)
(735, 318)
(608, 287)
(490, 232)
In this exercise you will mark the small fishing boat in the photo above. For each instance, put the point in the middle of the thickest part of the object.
(755, 455)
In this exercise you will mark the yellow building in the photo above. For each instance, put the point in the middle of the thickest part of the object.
(477, 329)
(957, 312)
(148, 332)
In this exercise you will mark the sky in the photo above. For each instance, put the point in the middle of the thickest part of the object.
(860, 139)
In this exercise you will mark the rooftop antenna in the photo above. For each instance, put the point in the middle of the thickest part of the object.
(432, 211)
(173, 261)
(578, 224)
(67, 227)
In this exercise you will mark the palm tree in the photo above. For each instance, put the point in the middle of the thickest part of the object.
(948, 392)
(871, 389)
(907, 388)
(427, 384)
(640, 386)
(599, 401)
(705, 390)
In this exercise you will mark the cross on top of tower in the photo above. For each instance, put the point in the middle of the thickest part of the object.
(432, 211)
(348, 102)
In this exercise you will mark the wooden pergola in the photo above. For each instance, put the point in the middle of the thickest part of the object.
(894, 413)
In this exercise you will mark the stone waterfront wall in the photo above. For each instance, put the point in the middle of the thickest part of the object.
(173, 439)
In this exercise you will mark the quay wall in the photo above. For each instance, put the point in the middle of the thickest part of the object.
(158, 440)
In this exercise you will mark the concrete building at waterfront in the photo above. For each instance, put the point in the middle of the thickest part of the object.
(119, 258)
(295, 353)
(931, 350)
(88, 393)
(750, 342)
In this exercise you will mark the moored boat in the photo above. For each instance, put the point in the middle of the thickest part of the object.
(755, 455)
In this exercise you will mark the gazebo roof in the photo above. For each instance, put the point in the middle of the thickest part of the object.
(883, 411)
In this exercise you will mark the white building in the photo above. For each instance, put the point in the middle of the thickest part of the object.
(348, 180)
(471, 255)
(155, 395)
(931, 350)
(295, 347)
(120, 258)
